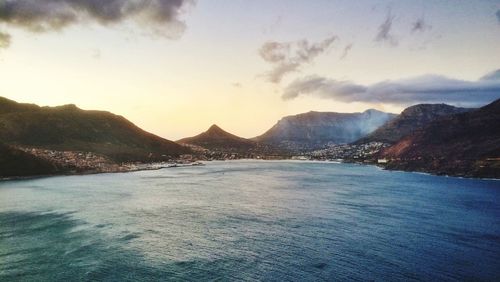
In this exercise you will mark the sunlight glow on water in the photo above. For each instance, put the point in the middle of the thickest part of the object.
(250, 220)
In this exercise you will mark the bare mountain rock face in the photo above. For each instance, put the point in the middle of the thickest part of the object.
(411, 119)
(315, 130)
(464, 144)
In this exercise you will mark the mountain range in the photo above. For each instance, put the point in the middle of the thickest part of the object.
(70, 128)
(464, 144)
(314, 130)
(436, 138)
(411, 119)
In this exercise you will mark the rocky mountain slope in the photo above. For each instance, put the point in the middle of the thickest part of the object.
(314, 130)
(464, 144)
(411, 119)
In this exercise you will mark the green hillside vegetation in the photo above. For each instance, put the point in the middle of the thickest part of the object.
(72, 129)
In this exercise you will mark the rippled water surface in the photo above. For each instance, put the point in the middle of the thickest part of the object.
(250, 220)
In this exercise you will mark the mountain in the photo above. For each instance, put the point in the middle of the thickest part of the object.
(411, 119)
(68, 128)
(314, 130)
(465, 144)
(14, 162)
(216, 138)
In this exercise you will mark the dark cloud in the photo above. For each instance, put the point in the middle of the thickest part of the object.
(4, 40)
(346, 51)
(498, 15)
(422, 89)
(287, 57)
(384, 33)
(420, 25)
(162, 17)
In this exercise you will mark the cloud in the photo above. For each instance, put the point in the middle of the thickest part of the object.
(384, 33)
(323, 88)
(346, 51)
(498, 15)
(287, 57)
(422, 89)
(420, 26)
(4, 40)
(237, 84)
(162, 17)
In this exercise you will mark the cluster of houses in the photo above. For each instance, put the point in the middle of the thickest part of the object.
(350, 152)
(76, 161)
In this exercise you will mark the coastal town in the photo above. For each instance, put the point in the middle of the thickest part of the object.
(349, 153)
(79, 162)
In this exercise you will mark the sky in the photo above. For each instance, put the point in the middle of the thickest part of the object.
(175, 67)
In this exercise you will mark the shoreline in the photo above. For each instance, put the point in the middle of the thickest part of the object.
(159, 166)
(144, 167)
(381, 167)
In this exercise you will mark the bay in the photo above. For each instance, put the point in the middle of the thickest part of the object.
(250, 220)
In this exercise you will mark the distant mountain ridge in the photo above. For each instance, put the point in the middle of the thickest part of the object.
(215, 138)
(70, 128)
(411, 119)
(316, 129)
(466, 144)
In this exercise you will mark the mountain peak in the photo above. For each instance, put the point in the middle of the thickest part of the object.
(215, 130)
(373, 111)
(214, 127)
(9, 106)
(219, 139)
(432, 109)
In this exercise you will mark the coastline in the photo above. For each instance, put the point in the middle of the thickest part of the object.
(159, 166)
(142, 167)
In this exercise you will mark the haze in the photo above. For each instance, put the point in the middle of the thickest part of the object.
(176, 68)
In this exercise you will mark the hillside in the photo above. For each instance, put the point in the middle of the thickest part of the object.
(216, 138)
(72, 129)
(411, 119)
(465, 144)
(314, 130)
(14, 162)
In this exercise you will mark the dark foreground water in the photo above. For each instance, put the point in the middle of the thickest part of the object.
(250, 220)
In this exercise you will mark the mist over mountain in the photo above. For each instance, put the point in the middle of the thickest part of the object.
(466, 144)
(316, 129)
(72, 129)
(411, 119)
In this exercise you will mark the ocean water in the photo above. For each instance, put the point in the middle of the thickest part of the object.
(250, 220)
